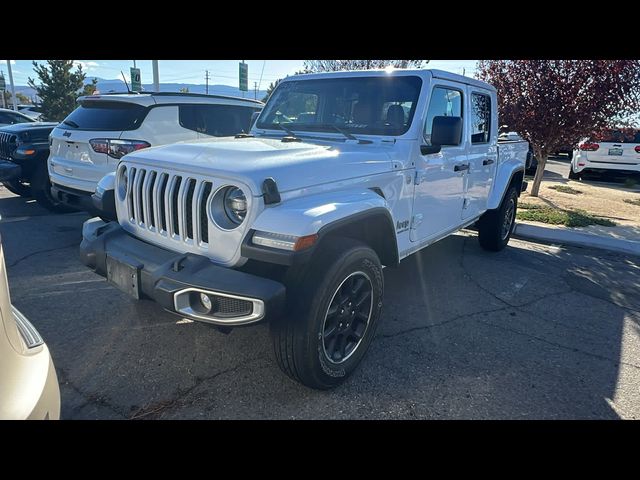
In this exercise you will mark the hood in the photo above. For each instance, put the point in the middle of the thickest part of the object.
(21, 127)
(292, 165)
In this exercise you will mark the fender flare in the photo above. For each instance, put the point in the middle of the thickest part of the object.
(504, 177)
(321, 214)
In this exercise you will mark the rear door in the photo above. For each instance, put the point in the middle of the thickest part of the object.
(482, 153)
(616, 148)
(73, 161)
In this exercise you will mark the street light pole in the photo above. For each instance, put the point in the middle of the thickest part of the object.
(156, 76)
(13, 88)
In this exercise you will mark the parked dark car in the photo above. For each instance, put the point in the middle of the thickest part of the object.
(24, 150)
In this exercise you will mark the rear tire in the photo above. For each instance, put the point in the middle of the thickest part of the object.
(573, 175)
(496, 226)
(333, 315)
(19, 188)
(41, 189)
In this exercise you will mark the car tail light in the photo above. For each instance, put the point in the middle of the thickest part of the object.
(117, 148)
(100, 145)
(589, 147)
(637, 149)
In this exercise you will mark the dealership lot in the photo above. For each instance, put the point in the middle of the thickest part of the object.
(531, 332)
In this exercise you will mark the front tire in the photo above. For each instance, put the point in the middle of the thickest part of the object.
(333, 315)
(496, 226)
(573, 175)
(19, 188)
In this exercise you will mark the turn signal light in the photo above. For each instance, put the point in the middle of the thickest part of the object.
(637, 149)
(305, 242)
(284, 242)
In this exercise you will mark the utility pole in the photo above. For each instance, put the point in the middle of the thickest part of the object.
(255, 90)
(4, 103)
(134, 64)
(206, 79)
(156, 76)
(13, 88)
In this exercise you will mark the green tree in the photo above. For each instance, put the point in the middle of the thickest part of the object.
(22, 98)
(8, 101)
(312, 66)
(90, 88)
(270, 89)
(59, 87)
(553, 103)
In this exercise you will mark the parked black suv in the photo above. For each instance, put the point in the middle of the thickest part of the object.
(24, 150)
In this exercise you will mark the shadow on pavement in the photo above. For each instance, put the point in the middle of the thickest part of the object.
(530, 332)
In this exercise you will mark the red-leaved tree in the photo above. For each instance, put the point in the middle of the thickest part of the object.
(554, 103)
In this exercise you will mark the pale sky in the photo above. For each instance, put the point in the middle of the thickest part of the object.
(221, 72)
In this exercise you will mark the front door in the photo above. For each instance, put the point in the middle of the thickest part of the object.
(483, 151)
(439, 189)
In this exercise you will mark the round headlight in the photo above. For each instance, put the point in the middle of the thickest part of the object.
(235, 205)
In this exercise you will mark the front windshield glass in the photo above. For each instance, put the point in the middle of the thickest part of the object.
(381, 105)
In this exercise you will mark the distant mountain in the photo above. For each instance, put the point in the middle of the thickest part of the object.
(107, 86)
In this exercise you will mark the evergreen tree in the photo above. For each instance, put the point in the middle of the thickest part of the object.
(90, 88)
(59, 87)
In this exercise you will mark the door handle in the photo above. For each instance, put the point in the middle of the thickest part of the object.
(461, 168)
(488, 161)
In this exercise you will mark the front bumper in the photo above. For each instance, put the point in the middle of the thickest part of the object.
(9, 170)
(169, 278)
(581, 163)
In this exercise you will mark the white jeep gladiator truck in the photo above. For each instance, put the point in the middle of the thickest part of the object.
(341, 174)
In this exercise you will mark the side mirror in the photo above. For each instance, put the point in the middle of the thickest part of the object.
(429, 149)
(444, 131)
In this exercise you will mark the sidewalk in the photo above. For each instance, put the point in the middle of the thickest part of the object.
(622, 239)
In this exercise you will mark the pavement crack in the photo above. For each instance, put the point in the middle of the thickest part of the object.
(89, 398)
(156, 408)
(451, 320)
(38, 252)
(559, 345)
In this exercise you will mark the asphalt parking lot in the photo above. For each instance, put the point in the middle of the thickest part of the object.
(533, 332)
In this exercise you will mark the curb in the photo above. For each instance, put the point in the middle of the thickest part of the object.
(574, 238)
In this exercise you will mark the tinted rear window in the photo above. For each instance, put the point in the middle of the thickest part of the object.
(113, 116)
(216, 120)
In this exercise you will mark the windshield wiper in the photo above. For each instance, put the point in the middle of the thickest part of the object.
(347, 134)
(288, 130)
(71, 123)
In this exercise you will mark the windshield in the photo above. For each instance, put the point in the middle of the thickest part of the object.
(359, 105)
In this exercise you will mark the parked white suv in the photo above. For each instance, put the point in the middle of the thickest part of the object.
(343, 173)
(90, 142)
(615, 150)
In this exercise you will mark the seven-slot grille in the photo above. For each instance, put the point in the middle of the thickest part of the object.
(169, 205)
(8, 144)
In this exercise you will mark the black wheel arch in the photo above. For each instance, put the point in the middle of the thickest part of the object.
(374, 227)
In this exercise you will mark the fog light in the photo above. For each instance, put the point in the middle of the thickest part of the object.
(205, 301)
